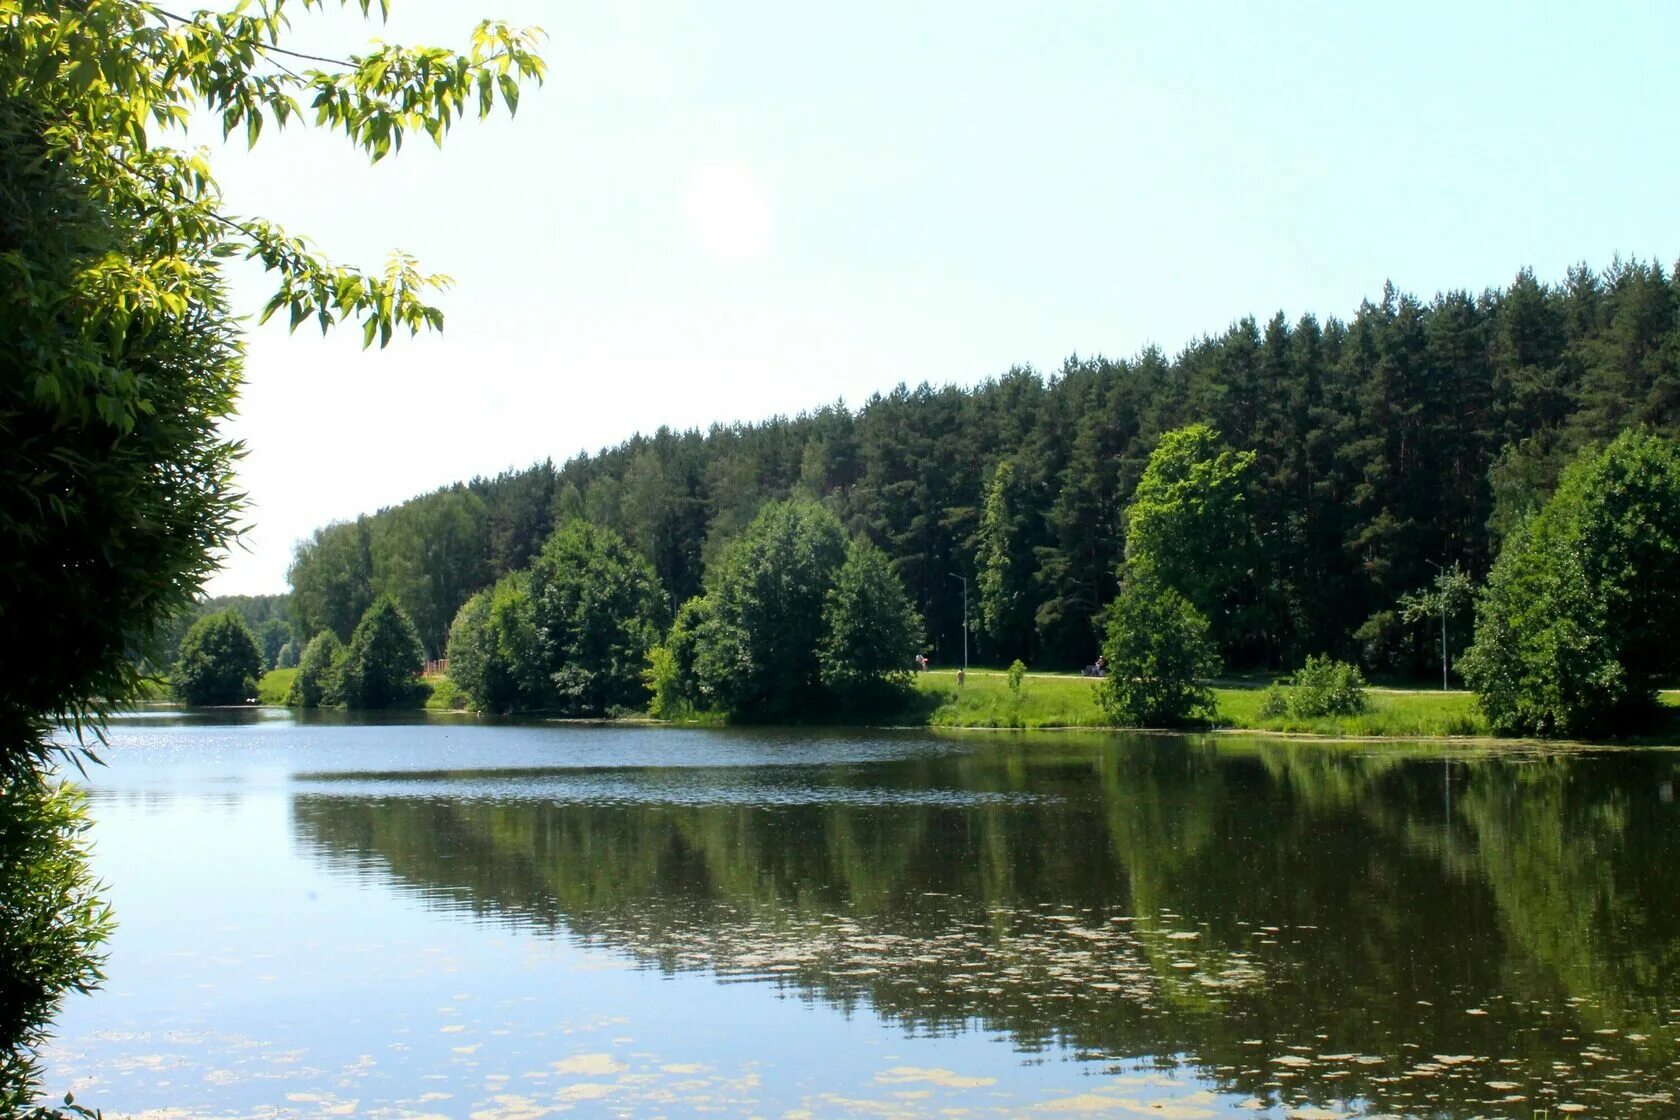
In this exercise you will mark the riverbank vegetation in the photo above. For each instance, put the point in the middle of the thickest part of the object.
(380, 668)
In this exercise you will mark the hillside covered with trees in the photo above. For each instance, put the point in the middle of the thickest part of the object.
(1387, 447)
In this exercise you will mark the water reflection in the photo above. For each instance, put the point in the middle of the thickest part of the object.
(1374, 932)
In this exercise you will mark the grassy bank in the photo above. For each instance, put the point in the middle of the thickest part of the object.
(1063, 700)
(1058, 700)
(1389, 713)
(275, 686)
(985, 700)
(439, 692)
(442, 695)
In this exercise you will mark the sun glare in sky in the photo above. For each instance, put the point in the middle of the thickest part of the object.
(729, 214)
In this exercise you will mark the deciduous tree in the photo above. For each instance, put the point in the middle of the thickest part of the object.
(597, 609)
(1189, 523)
(758, 654)
(1159, 655)
(118, 353)
(383, 661)
(872, 632)
(219, 662)
(320, 677)
(1575, 629)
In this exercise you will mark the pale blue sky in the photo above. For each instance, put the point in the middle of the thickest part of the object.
(721, 211)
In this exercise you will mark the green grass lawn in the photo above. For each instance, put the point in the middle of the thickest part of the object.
(1052, 700)
(984, 700)
(275, 686)
(1389, 713)
(1066, 700)
(442, 695)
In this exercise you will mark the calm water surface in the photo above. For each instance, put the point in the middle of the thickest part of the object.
(323, 917)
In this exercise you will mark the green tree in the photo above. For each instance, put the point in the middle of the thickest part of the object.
(1575, 627)
(332, 578)
(1004, 578)
(383, 661)
(1159, 656)
(118, 353)
(872, 631)
(272, 636)
(52, 921)
(1445, 599)
(598, 609)
(1076, 570)
(320, 677)
(1189, 522)
(473, 663)
(495, 655)
(673, 674)
(760, 655)
(219, 662)
(429, 555)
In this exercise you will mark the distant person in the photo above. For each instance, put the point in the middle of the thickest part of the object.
(961, 675)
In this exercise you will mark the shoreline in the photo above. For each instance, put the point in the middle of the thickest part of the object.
(1068, 702)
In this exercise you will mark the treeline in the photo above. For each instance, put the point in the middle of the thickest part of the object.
(796, 622)
(1405, 440)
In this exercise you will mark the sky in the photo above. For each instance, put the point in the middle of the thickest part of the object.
(723, 211)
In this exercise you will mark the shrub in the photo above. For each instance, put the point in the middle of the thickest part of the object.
(1326, 687)
(1017, 674)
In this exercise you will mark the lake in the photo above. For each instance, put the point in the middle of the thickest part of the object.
(434, 917)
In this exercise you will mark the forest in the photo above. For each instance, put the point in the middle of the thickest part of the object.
(1402, 442)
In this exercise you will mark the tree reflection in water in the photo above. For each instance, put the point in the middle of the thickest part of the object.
(1301, 923)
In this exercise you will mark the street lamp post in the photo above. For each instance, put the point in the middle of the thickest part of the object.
(964, 579)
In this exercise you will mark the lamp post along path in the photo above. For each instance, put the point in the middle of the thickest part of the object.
(964, 580)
